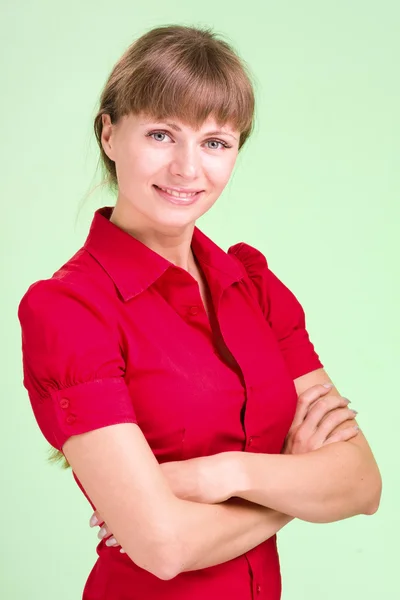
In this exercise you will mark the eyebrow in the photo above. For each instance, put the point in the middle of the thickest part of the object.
(177, 128)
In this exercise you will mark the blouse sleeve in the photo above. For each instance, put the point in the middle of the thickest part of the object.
(282, 310)
(73, 368)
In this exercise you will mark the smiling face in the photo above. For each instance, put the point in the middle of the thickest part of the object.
(150, 155)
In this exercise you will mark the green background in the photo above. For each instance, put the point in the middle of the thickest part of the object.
(316, 189)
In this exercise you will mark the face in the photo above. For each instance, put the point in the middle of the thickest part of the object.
(150, 155)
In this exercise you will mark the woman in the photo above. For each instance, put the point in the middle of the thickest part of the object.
(178, 380)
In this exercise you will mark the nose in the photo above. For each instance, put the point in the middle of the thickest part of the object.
(186, 162)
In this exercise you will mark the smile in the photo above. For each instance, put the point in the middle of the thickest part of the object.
(177, 197)
(172, 192)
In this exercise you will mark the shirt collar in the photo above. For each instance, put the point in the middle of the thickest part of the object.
(134, 267)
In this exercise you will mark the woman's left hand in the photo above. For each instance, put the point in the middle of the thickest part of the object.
(315, 424)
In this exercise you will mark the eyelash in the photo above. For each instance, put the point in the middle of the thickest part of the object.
(224, 144)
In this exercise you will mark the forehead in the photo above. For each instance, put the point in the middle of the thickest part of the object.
(209, 125)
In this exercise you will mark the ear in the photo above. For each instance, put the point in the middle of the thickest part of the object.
(107, 136)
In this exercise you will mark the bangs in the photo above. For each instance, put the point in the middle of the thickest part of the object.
(191, 87)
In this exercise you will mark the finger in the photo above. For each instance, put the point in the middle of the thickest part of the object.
(331, 422)
(305, 400)
(343, 435)
(112, 541)
(317, 413)
(103, 532)
(95, 519)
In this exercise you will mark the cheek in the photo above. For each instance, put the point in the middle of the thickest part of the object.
(136, 167)
(220, 173)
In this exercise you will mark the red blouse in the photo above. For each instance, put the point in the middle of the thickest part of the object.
(120, 334)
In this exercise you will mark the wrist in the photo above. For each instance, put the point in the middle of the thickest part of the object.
(233, 473)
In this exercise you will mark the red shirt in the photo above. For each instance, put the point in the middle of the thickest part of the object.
(120, 334)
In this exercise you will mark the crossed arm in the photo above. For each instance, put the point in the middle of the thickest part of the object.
(331, 483)
(265, 492)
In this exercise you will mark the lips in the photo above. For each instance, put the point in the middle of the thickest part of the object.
(167, 189)
(177, 199)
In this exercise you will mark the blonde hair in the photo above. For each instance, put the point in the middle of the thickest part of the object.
(176, 71)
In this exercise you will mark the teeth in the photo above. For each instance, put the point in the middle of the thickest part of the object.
(177, 194)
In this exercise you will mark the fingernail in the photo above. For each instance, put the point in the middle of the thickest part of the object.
(328, 385)
(354, 411)
(122, 551)
(111, 541)
(347, 399)
(102, 532)
(93, 521)
(356, 427)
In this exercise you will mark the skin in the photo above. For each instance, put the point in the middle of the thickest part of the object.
(321, 419)
(182, 159)
(147, 153)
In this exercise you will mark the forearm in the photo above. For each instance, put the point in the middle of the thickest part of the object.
(212, 534)
(328, 484)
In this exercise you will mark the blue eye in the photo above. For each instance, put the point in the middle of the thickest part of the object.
(157, 133)
(224, 144)
(164, 133)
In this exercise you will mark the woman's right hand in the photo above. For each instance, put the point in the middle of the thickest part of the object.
(104, 532)
(316, 419)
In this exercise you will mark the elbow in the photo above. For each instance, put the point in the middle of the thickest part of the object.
(363, 499)
(158, 554)
(366, 490)
(374, 497)
(159, 564)
(177, 558)
(167, 558)
(165, 571)
(168, 567)
(163, 552)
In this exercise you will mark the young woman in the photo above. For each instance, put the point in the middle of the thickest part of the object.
(178, 380)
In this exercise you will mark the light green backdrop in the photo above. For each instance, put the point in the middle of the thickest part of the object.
(317, 190)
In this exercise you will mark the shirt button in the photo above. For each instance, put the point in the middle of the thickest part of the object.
(258, 589)
(71, 419)
(64, 403)
(193, 310)
(250, 441)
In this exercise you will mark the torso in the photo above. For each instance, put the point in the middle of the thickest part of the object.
(219, 344)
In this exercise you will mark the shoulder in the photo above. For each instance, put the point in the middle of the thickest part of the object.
(79, 286)
(253, 259)
(275, 298)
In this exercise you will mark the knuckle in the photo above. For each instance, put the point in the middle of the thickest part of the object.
(302, 441)
(300, 436)
(318, 409)
(337, 416)
(302, 399)
(334, 402)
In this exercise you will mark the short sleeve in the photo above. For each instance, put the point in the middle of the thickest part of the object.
(282, 310)
(73, 368)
